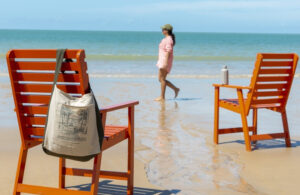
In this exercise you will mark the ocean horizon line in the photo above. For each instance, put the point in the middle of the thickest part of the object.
(157, 31)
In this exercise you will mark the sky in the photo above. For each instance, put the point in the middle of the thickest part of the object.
(257, 16)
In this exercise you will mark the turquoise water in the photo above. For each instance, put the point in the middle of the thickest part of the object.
(136, 52)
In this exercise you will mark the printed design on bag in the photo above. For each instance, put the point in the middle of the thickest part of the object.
(72, 123)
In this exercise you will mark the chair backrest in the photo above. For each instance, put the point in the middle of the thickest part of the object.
(32, 73)
(272, 80)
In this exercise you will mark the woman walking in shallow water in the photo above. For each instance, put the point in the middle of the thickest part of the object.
(165, 61)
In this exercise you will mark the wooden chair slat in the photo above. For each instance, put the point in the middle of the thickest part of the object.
(34, 109)
(272, 78)
(35, 131)
(41, 53)
(267, 101)
(47, 88)
(47, 77)
(269, 93)
(110, 127)
(36, 65)
(271, 86)
(35, 99)
(39, 131)
(33, 189)
(30, 120)
(114, 129)
(275, 71)
(276, 63)
(277, 56)
(267, 136)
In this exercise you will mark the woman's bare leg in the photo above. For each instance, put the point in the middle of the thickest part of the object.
(168, 83)
(162, 80)
(162, 75)
(175, 89)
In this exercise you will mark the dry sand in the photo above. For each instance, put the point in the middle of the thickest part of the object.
(42, 169)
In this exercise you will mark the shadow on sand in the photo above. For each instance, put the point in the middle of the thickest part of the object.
(267, 144)
(105, 187)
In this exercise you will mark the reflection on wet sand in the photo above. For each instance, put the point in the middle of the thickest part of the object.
(164, 134)
(165, 137)
(164, 141)
(182, 159)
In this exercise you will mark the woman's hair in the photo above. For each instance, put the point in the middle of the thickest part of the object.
(173, 36)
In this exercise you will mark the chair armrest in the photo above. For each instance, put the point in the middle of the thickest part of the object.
(232, 86)
(118, 106)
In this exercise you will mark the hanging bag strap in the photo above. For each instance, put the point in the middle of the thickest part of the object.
(60, 53)
(100, 127)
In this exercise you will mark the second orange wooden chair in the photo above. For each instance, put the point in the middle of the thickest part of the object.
(269, 89)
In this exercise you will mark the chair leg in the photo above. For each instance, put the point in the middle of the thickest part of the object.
(20, 169)
(216, 117)
(244, 120)
(254, 122)
(62, 176)
(246, 131)
(286, 129)
(96, 173)
(130, 169)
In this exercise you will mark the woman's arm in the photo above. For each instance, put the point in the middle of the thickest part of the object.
(166, 59)
(168, 50)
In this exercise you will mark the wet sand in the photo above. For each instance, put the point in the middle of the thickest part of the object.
(270, 169)
(174, 149)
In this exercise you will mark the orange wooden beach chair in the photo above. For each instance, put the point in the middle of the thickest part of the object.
(269, 89)
(31, 73)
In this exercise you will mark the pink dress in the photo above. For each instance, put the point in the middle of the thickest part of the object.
(166, 45)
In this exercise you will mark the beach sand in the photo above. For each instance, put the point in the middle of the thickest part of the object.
(174, 152)
(42, 169)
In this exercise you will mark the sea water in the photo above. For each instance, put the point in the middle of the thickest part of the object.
(135, 53)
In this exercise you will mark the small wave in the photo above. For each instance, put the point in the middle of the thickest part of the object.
(178, 76)
(179, 57)
(150, 76)
(183, 76)
(136, 57)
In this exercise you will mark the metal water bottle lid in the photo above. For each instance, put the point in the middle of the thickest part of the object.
(224, 75)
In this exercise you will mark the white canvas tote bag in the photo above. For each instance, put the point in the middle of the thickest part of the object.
(73, 128)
